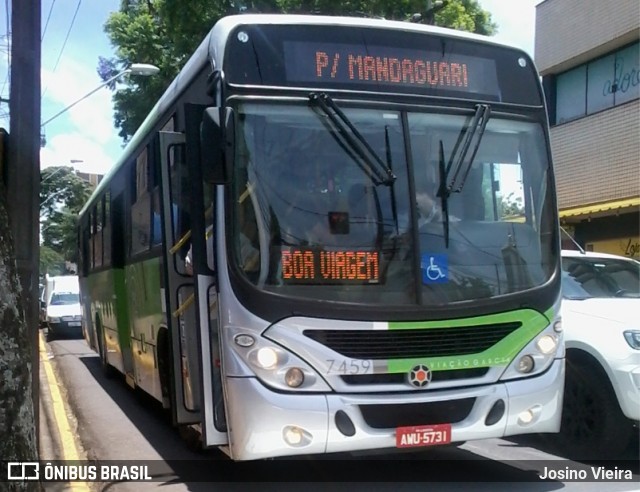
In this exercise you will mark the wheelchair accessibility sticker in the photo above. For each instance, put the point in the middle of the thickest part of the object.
(435, 269)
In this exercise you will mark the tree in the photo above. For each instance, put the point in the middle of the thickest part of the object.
(166, 32)
(16, 405)
(51, 262)
(62, 195)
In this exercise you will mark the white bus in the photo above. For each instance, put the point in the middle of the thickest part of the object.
(367, 209)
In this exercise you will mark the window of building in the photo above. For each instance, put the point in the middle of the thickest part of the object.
(627, 74)
(599, 94)
(600, 84)
(571, 91)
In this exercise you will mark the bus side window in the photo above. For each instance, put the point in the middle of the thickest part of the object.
(92, 231)
(97, 237)
(141, 207)
(179, 196)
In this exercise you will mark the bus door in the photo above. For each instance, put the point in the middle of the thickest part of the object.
(179, 292)
(190, 291)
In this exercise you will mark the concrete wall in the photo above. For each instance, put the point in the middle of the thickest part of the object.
(597, 158)
(570, 32)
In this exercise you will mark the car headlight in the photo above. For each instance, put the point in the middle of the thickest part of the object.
(275, 366)
(53, 319)
(537, 355)
(633, 338)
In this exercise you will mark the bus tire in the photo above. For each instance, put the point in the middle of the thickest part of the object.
(593, 425)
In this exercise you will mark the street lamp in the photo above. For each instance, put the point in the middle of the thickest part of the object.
(143, 69)
(429, 15)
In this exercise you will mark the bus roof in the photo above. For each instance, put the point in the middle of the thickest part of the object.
(211, 50)
(226, 24)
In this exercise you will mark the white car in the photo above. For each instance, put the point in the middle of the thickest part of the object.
(601, 322)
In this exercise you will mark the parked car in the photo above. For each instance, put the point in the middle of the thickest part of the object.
(60, 306)
(601, 322)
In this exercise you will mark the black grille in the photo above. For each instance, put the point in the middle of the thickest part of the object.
(415, 343)
(439, 412)
(399, 378)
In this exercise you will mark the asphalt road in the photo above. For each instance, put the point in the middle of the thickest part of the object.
(113, 422)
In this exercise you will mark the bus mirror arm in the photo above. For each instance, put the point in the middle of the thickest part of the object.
(215, 146)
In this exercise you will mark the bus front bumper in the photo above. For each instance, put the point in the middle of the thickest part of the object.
(267, 424)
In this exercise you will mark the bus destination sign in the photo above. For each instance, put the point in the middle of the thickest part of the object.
(313, 266)
(418, 70)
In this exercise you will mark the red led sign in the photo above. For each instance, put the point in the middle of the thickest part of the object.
(399, 68)
(317, 267)
(393, 70)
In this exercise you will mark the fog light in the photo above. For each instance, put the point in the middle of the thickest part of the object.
(267, 357)
(530, 416)
(294, 377)
(546, 344)
(557, 326)
(293, 435)
(244, 340)
(525, 364)
(525, 417)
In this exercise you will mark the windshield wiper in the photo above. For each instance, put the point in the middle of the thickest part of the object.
(394, 208)
(454, 175)
(443, 194)
(459, 166)
(372, 165)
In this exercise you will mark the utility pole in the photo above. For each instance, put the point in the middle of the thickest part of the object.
(23, 168)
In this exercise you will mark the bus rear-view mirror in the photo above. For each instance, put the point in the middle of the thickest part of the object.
(216, 145)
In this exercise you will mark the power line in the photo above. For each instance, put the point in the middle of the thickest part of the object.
(64, 44)
(48, 18)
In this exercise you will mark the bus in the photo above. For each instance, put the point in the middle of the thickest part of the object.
(334, 234)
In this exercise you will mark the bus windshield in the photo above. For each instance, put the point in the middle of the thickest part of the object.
(309, 220)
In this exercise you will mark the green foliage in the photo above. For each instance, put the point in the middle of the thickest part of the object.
(166, 32)
(62, 195)
(51, 262)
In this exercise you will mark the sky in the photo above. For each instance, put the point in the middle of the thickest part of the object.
(84, 136)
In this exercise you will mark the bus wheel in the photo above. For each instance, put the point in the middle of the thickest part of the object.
(593, 426)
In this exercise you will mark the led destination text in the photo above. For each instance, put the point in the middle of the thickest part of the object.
(310, 266)
(393, 70)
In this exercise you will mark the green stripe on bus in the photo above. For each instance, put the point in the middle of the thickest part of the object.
(500, 354)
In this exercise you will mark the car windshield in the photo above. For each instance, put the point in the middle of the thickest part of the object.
(309, 220)
(584, 277)
(64, 299)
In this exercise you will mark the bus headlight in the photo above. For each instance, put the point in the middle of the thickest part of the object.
(547, 344)
(53, 319)
(294, 377)
(525, 364)
(275, 366)
(537, 355)
(267, 358)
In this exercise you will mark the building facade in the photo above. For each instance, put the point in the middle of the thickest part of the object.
(588, 54)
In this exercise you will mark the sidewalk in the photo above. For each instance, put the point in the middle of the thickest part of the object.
(57, 432)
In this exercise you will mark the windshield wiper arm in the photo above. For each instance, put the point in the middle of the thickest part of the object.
(460, 166)
(377, 170)
(443, 194)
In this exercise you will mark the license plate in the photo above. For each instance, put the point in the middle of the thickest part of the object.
(423, 435)
(75, 323)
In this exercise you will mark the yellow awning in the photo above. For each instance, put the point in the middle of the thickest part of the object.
(599, 207)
